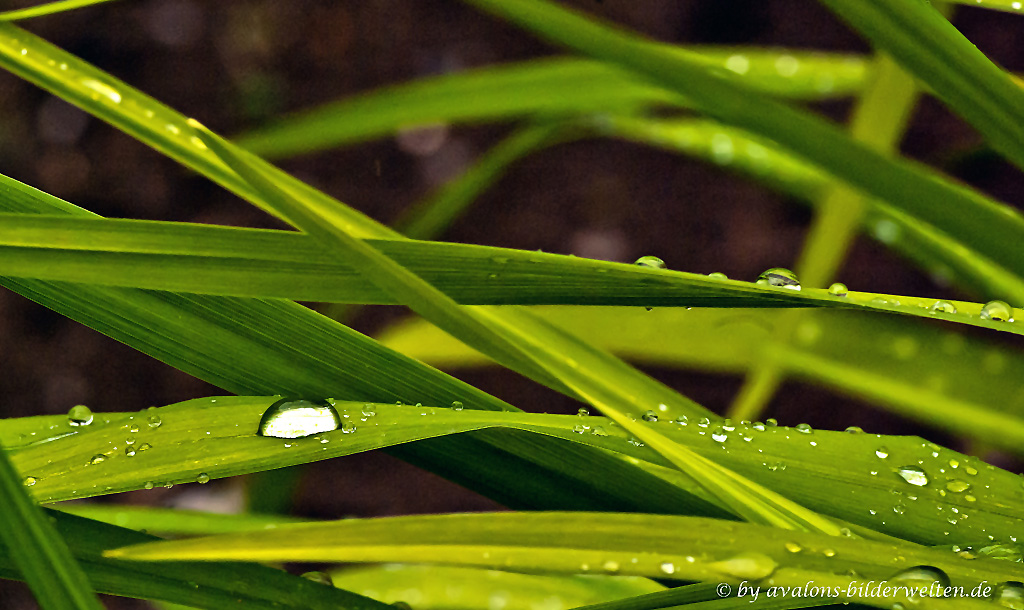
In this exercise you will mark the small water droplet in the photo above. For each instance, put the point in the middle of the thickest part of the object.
(703, 423)
(583, 412)
(793, 547)
(154, 421)
(855, 430)
(970, 470)
(370, 409)
(130, 440)
(80, 415)
(650, 416)
(956, 486)
(828, 553)
(148, 485)
(320, 577)
(579, 428)
(669, 568)
(942, 307)
(610, 566)
(650, 261)
(953, 463)
(922, 576)
(203, 478)
(29, 481)
(102, 90)
(804, 429)
(997, 311)
(719, 435)
(771, 421)
(779, 276)
(145, 446)
(129, 451)
(291, 418)
(347, 427)
(882, 452)
(598, 431)
(913, 475)
(749, 566)
(970, 498)
(134, 428)
(717, 275)
(838, 289)
(99, 458)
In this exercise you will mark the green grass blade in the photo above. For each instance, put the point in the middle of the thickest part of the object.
(431, 587)
(430, 217)
(999, 5)
(934, 51)
(49, 8)
(931, 374)
(949, 207)
(542, 88)
(797, 464)
(154, 520)
(212, 586)
(683, 548)
(40, 554)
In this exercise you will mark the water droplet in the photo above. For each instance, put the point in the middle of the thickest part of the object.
(719, 435)
(771, 421)
(1009, 594)
(579, 428)
(749, 566)
(669, 568)
(583, 412)
(102, 89)
(855, 430)
(738, 64)
(828, 553)
(882, 452)
(913, 475)
(148, 485)
(130, 440)
(758, 426)
(320, 577)
(134, 428)
(970, 498)
(838, 290)
(922, 576)
(610, 566)
(598, 431)
(80, 415)
(650, 416)
(290, 418)
(145, 446)
(942, 307)
(787, 65)
(970, 470)
(804, 429)
(703, 423)
(203, 478)
(129, 451)
(347, 427)
(650, 261)
(154, 421)
(457, 405)
(793, 547)
(29, 481)
(997, 311)
(99, 458)
(779, 276)
(953, 463)
(717, 275)
(370, 409)
(957, 486)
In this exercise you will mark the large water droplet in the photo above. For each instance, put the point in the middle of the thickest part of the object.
(748, 566)
(838, 290)
(650, 261)
(997, 311)
(203, 478)
(1009, 594)
(80, 415)
(913, 475)
(779, 276)
(291, 418)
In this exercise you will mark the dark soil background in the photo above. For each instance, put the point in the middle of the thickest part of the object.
(234, 64)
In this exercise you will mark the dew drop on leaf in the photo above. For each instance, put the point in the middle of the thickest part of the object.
(942, 307)
(804, 429)
(913, 475)
(291, 418)
(320, 577)
(855, 430)
(882, 452)
(29, 481)
(838, 290)
(583, 412)
(750, 566)
(154, 421)
(650, 416)
(99, 458)
(650, 261)
(668, 568)
(779, 276)
(80, 415)
(997, 311)
(348, 427)
(203, 478)
(957, 486)
(457, 405)
(922, 576)
(717, 275)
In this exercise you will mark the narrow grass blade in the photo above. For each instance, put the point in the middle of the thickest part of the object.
(901, 183)
(930, 48)
(49, 8)
(544, 89)
(1013, 6)
(933, 374)
(454, 588)
(155, 520)
(212, 586)
(37, 549)
(800, 463)
(683, 548)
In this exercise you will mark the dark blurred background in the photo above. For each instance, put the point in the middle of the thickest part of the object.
(235, 64)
